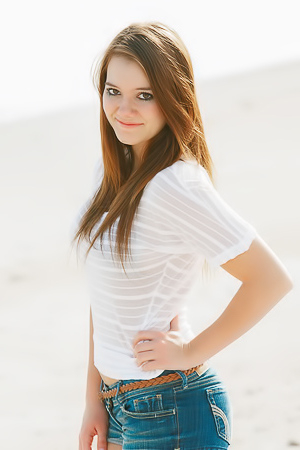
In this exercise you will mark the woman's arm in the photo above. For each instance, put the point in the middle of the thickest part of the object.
(95, 418)
(93, 376)
(264, 282)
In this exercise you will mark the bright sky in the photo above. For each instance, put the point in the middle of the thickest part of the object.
(48, 48)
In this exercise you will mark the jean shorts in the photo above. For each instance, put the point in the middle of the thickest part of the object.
(190, 413)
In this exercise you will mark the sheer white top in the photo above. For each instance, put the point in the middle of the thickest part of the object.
(181, 221)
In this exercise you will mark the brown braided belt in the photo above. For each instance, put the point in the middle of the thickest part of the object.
(145, 383)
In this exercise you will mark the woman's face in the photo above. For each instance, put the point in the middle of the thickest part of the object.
(129, 105)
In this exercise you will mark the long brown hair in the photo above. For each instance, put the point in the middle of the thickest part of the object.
(166, 61)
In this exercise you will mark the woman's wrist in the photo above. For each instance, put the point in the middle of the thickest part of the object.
(92, 393)
(193, 358)
(93, 403)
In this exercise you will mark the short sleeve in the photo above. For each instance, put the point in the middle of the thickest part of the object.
(193, 209)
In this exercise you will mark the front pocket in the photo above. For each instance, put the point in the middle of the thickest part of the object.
(109, 409)
(146, 407)
(218, 400)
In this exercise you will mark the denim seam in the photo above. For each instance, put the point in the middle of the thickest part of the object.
(200, 383)
(114, 441)
(177, 420)
(148, 415)
(218, 412)
(110, 412)
(158, 397)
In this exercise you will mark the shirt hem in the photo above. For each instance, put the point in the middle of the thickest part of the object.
(234, 251)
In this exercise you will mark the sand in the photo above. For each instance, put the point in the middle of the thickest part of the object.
(46, 163)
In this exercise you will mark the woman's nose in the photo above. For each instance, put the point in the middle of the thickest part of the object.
(126, 107)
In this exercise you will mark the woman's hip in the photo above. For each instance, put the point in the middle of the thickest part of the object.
(191, 412)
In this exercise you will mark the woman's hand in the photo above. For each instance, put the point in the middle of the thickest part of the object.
(95, 422)
(158, 350)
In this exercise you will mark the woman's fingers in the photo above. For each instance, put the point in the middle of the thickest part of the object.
(86, 440)
(95, 423)
(143, 346)
(174, 324)
(146, 335)
(101, 441)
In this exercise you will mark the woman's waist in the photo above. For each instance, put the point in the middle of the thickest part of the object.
(107, 380)
(118, 335)
(110, 381)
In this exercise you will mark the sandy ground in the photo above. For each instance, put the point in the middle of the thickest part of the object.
(46, 164)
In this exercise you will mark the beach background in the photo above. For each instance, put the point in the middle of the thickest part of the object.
(251, 119)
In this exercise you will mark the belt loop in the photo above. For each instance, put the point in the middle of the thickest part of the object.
(118, 388)
(103, 388)
(184, 379)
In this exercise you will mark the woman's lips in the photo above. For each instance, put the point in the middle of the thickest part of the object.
(128, 125)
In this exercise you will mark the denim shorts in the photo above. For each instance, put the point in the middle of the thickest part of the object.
(191, 413)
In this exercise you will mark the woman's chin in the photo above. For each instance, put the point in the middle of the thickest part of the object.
(126, 141)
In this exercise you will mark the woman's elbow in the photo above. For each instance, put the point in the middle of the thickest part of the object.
(287, 282)
(259, 266)
(275, 280)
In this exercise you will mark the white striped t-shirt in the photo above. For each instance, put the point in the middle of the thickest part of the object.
(181, 220)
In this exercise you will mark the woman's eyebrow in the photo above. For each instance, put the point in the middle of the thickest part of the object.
(137, 89)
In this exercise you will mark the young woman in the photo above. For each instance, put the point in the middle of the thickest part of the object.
(152, 222)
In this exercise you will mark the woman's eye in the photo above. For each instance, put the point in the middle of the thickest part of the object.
(142, 96)
(112, 91)
(146, 96)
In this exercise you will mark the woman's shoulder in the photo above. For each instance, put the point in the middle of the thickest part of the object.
(184, 174)
(173, 188)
